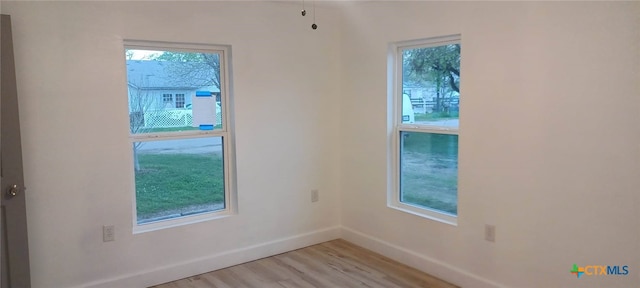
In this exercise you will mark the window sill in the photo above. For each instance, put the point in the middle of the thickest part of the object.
(425, 213)
(180, 221)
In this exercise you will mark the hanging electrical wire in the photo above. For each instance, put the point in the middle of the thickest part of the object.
(304, 12)
(314, 26)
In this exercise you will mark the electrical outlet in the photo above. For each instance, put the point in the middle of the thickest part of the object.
(108, 233)
(490, 233)
(314, 196)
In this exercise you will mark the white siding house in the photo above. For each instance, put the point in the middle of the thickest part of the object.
(160, 97)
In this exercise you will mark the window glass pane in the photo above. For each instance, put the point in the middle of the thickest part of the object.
(173, 91)
(176, 178)
(429, 171)
(430, 85)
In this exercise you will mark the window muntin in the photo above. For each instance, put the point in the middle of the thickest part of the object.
(180, 100)
(426, 81)
(167, 100)
(182, 146)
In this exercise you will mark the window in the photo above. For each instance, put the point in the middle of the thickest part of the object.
(182, 158)
(424, 141)
(179, 100)
(167, 99)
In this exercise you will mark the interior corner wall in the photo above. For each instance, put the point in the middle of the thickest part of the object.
(549, 147)
(77, 155)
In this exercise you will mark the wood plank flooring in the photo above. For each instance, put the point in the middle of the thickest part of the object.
(336, 263)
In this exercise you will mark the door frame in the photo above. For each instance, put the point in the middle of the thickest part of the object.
(14, 241)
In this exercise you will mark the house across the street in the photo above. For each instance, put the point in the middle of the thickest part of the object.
(161, 92)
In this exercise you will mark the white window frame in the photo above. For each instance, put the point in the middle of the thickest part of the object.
(395, 126)
(226, 132)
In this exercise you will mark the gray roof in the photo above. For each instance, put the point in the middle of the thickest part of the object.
(157, 75)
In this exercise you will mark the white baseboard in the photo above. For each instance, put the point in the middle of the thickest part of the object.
(242, 255)
(218, 261)
(423, 263)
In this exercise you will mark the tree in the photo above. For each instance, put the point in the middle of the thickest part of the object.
(437, 66)
(195, 69)
(140, 102)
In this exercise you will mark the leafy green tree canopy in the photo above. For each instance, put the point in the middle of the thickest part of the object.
(438, 65)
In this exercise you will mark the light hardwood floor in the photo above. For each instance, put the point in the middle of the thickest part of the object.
(336, 263)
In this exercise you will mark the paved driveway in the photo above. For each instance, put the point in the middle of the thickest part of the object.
(446, 123)
(191, 146)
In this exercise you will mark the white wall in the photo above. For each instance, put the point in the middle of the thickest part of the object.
(549, 151)
(549, 143)
(77, 157)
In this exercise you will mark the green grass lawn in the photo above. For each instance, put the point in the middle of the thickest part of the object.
(177, 183)
(429, 176)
